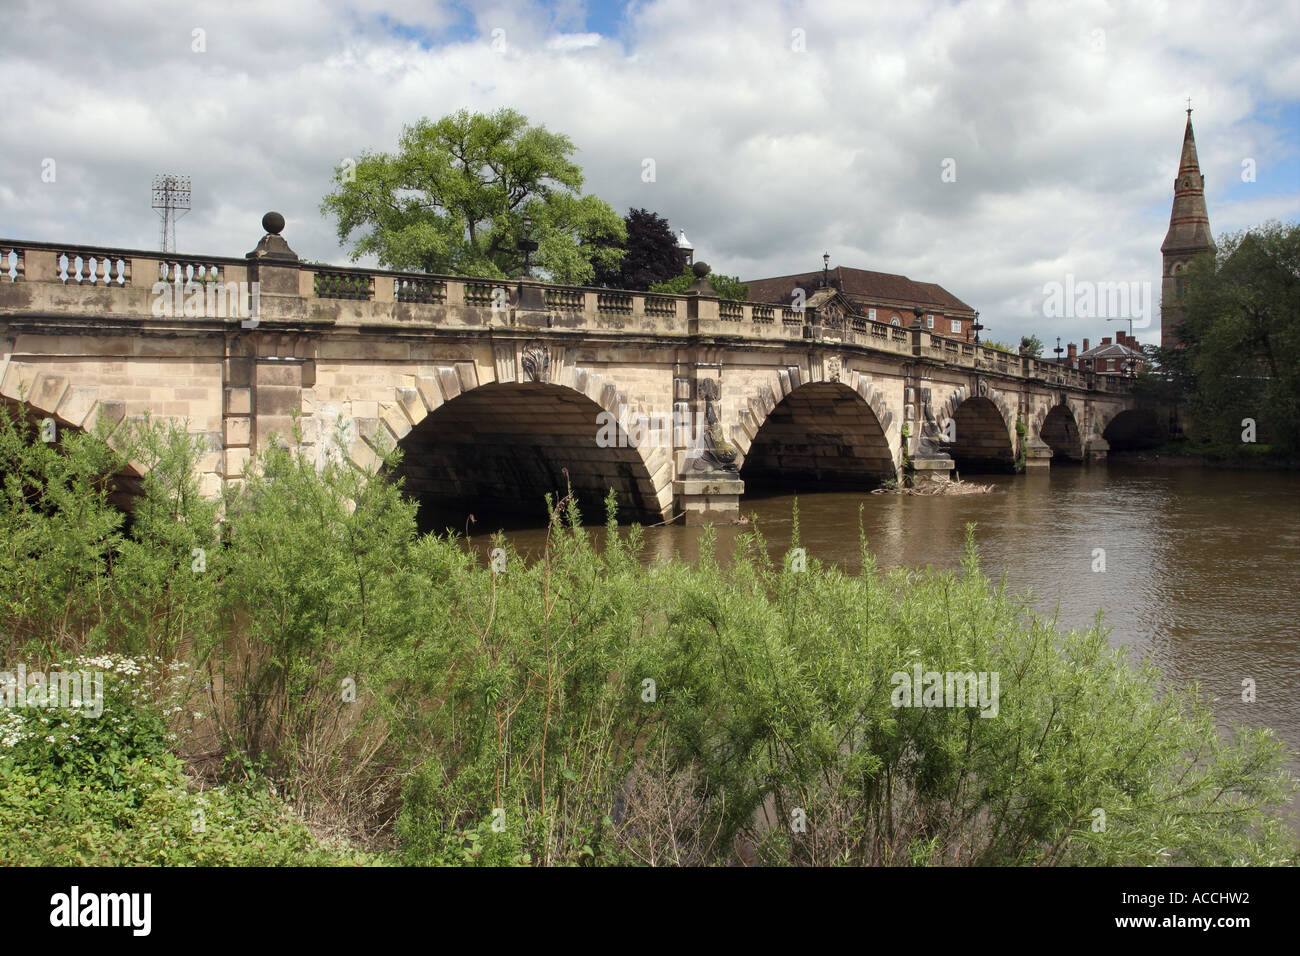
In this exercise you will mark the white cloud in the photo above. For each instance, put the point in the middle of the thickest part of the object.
(1065, 152)
(572, 42)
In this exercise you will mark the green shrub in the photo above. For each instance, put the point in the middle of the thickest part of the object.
(796, 672)
(582, 709)
(84, 790)
(57, 536)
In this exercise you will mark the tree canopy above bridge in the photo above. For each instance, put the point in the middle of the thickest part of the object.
(454, 197)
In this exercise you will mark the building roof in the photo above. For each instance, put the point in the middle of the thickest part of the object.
(1110, 350)
(882, 287)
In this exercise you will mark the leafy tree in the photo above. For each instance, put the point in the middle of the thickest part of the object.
(1240, 339)
(652, 254)
(1154, 382)
(1032, 344)
(454, 197)
(727, 287)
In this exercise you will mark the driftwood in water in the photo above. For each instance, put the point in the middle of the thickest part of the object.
(930, 488)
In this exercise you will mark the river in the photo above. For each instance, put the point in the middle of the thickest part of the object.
(1200, 564)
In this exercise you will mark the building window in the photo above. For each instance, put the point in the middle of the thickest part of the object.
(895, 321)
(929, 321)
(1110, 365)
(956, 326)
(871, 314)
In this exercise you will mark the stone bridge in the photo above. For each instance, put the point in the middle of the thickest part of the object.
(494, 389)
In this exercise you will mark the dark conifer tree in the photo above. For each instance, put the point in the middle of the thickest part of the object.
(652, 254)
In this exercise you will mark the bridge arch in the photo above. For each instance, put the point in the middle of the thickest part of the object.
(1059, 430)
(46, 394)
(30, 391)
(1132, 428)
(983, 443)
(820, 436)
(984, 426)
(495, 449)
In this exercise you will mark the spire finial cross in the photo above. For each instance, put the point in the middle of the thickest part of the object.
(1189, 106)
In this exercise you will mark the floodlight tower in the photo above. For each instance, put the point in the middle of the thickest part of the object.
(171, 197)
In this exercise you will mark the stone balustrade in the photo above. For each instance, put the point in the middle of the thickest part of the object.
(419, 289)
(344, 295)
(13, 265)
(175, 269)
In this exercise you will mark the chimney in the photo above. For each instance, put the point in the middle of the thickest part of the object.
(1072, 352)
(1085, 345)
(1106, 340)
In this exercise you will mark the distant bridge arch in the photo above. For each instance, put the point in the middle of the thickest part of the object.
(1133, 428)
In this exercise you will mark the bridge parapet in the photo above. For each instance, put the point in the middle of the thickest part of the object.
(48, 279)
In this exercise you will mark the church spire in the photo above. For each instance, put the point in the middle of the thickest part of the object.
(1188, 235)
(1189, 222)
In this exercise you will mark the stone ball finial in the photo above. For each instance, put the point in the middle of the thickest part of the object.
(701, 269)
(273, 223)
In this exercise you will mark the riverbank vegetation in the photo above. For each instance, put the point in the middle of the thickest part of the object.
(1237, 372)
(1207, 454)
(329, 669)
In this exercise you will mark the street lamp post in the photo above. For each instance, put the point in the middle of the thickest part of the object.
(826, 270)
(1058, 350)
(530, 297)
(977, 328)
(527, 246)
(1129, 370)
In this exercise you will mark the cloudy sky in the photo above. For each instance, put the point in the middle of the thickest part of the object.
(778, 131)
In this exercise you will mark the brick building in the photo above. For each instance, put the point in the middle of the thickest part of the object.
(1122, 356)
(880, 296)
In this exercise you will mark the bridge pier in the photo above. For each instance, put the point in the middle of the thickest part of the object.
(1038, 454)
(931, 471)
(708, 499)
(1095, 449)
(928, 462)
